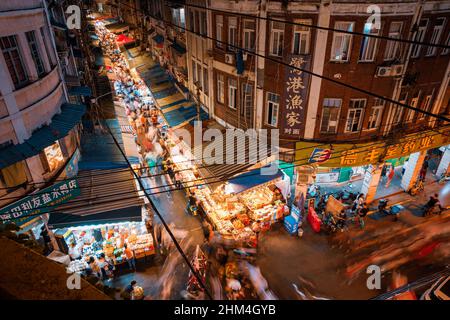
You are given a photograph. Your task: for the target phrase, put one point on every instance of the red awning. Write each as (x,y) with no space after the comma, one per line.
(123,39)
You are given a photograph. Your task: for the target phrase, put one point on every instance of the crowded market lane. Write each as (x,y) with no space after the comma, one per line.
(306,268)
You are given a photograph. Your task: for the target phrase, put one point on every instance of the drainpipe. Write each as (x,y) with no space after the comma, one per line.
(259,66)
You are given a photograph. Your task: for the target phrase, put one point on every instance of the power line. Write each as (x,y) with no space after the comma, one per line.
(314,26)
(219,179)
(438,116)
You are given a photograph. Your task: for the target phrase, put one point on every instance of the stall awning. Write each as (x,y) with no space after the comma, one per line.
(178,48)
(158,39)
(106,195)
(80,91)
(62,220)
(118,27)
(59,127)
(99,150)
(251,179)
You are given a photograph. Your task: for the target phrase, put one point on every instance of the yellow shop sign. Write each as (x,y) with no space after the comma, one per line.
(359,154)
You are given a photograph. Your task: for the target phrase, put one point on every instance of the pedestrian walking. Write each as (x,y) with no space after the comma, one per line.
(390,176)
(129,254)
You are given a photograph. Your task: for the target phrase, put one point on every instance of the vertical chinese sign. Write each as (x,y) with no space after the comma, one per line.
(295,96)
(41,202)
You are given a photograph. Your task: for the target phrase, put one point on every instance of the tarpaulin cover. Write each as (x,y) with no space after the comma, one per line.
(250,180)
(123,39)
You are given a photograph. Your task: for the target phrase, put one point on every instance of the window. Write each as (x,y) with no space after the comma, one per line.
(199,75)
(220,88)
(420,35)
(47,50)
(436,36)
(446,51)
(247,100)
(273,105)
(375,114)
(249,35)
(31,38)
(232,93)
(414,103)
(342,42)
(301,38)
(426,105)
(219,31)
(13,60)
(232,33)
(392,47)
(354,115)
(330,115)
(192,20)
(203,23)
(194,71)
(178,17)
(276,38)
(205,81)
(398,110)
(368,44)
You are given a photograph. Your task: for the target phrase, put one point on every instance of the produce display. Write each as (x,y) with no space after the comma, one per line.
(77,266)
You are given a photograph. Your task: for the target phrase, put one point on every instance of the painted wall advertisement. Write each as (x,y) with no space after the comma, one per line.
(296,83)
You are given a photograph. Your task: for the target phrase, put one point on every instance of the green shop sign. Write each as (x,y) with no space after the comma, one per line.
(41,202)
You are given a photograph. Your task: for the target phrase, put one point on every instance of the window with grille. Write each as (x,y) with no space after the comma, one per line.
(219,31)
(436,36)
(330,115)
(35,54)
(276,38)
(232,33)
(392,47)
(232,93)
(301,38)
(249,32)
(273,105)
(368,44)
(14,62)
(247,100)
(355,115)
(420,35)
(220,88)
(340,50)
(375,114)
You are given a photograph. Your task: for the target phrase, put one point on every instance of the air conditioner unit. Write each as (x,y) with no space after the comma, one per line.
(244,56)
(383,71)
(397,70)
(229,58)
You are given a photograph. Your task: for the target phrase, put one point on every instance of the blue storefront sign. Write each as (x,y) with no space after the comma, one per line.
(71,169)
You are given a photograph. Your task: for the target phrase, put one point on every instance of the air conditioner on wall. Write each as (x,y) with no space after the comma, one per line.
(244,56)
(229,58)
(383,71)
(396,70)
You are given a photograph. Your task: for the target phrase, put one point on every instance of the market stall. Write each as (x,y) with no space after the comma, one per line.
(109,239)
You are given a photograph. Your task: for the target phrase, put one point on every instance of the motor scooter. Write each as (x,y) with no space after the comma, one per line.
(393,210)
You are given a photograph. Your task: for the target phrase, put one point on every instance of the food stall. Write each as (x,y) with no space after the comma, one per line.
(110,238)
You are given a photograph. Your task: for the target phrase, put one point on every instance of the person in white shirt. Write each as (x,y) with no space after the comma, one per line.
(74,251)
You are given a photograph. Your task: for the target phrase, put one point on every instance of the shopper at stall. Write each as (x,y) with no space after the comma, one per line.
(138,292)
(93,265)
(129,255)
(74,251)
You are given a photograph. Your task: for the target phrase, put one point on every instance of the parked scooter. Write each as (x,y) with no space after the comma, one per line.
(393,210)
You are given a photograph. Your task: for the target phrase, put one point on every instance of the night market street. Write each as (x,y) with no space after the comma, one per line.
(250,151)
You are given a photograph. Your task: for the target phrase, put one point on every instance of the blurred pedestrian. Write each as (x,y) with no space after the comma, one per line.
(390,176)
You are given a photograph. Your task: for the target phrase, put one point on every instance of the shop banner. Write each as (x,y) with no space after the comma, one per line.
(353,155)
(43,201)
(334,206)
(296,84)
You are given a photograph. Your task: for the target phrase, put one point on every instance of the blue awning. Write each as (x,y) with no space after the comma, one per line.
(180,49)
(64,220)
(59,127)
(251,179)
(80,91)
(98,151)
(158,39)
